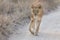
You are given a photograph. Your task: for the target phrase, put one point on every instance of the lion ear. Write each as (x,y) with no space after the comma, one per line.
(32,6)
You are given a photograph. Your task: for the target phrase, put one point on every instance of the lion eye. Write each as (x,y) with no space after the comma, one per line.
(32,7)
(39,7)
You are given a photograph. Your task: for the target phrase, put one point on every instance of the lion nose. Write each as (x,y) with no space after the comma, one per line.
(35,12)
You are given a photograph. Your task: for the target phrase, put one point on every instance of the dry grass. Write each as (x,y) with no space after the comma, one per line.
(13,10)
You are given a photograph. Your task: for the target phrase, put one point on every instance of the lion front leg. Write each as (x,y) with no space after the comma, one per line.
(37,27)
(32,25)
(37,23)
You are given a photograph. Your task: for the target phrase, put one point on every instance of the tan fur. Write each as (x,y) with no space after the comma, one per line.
(35,18)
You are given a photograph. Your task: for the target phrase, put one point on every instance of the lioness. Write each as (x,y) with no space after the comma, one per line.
(37,13)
